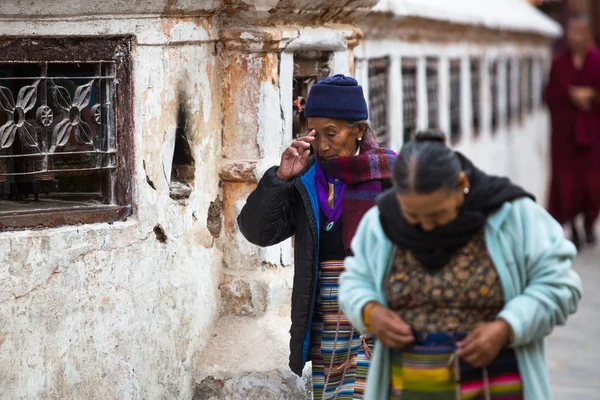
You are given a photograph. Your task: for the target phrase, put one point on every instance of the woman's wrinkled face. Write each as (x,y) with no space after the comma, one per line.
(433,210)
(334,138)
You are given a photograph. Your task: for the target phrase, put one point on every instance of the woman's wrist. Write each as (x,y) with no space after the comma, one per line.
(366,313)
(507,329)
(281,177)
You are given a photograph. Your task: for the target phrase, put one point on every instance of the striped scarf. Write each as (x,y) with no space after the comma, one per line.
(362,175)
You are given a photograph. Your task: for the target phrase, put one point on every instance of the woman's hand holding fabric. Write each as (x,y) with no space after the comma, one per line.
(294,159)
(389,328)
(484,343)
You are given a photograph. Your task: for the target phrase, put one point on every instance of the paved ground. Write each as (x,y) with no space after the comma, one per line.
(574,350)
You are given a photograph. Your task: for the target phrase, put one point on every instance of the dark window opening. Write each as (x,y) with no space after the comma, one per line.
(378,98)
(183,166)
(476,96)
(409,97)
(455,109)
(59,148)
(433,90)
(494,93)
(309,68)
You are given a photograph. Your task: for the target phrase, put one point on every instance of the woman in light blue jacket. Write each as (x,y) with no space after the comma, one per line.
(459,276)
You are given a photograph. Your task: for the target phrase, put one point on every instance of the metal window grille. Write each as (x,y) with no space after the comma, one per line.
(409,92)
(494,93)
(433,102)
(524,91)
(508,90)
(378,98)
(57,119)
(520,100)
(62,133)
(529,72)
(476,96)
(542,82)
(455,110)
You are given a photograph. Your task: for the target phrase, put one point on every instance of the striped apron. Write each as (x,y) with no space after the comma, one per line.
(339,354)
(429,370)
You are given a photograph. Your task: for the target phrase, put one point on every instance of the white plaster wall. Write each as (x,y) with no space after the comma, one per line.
(519,151)
(106,311)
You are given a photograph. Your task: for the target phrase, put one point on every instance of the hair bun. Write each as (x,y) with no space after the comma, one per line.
(430,136)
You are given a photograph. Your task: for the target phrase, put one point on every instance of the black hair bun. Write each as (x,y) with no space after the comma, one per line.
(430,136)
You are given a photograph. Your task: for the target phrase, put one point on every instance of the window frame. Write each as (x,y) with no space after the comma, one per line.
(432,78)
(456,130)
(409,125)
(73,49)
(378,102)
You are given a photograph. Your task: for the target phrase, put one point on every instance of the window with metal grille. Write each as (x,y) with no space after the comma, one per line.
(508,90)
(524,89)
(65,131)
(378,98)
(529,95)
(543,81)
(433,102)
(476,96)
(455,87)
(309,68)
(409,97)
(494,93)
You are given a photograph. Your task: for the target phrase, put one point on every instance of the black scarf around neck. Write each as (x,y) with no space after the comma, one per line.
(434,249)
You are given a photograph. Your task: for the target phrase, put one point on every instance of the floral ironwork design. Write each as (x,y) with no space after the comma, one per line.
(72,123)
(16,111)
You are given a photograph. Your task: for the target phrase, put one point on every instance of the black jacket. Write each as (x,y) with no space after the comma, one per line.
(274,212)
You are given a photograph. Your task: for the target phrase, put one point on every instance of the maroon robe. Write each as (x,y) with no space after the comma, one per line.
(575,186)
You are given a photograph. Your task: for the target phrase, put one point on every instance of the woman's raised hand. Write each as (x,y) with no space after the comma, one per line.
(295,158)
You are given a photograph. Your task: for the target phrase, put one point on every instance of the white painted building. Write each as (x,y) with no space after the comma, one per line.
(474,69)
(142,126)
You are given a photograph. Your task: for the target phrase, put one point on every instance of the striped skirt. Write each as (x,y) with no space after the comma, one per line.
(428,370)
(340,357)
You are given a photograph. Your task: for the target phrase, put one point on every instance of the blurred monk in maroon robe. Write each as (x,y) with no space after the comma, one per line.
(573,96)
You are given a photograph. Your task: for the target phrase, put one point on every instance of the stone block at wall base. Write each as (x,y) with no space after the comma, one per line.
(270,385)
(247,358)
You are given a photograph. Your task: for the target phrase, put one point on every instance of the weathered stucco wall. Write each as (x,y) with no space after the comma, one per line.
(120,311)
(174,303)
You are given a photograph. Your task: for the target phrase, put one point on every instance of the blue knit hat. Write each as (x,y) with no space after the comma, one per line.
(339,97)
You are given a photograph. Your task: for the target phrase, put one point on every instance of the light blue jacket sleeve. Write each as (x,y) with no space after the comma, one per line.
(359,283)
(550,288)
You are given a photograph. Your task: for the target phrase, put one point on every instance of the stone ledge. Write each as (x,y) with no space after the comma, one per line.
(63,8)
(271,385)
(239,171)
(241,346)
(295,11)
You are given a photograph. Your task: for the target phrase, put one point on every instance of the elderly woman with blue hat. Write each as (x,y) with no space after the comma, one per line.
(320,199)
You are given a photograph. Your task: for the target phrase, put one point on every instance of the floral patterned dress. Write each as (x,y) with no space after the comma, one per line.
(442,307)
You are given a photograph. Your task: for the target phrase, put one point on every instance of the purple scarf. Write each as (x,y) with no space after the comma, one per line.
(361,176)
